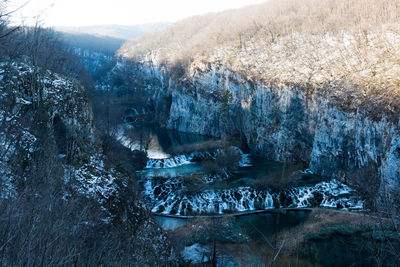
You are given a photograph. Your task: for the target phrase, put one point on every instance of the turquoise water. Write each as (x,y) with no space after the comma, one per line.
(243,240)
(256,226)
(166,143)
(260,226)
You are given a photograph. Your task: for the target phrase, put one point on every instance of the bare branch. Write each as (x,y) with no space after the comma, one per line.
(15,10)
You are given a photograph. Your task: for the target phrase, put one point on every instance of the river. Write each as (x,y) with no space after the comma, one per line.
(213,197)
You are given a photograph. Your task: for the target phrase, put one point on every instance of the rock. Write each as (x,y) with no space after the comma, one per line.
(279,122)
(316,200)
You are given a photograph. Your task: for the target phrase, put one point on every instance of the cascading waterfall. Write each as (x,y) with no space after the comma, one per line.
(172,162)
(245,158)
(178,194)
(184,159)
(246,161)
(169,197)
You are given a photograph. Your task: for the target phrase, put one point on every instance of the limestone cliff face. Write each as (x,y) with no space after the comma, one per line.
(38,101)
(280,122)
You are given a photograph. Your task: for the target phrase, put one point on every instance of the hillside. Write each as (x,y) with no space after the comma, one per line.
(103,44)
(260,136)
(64,197)
(350,47)
(95,51)
(53,162)
(116,31)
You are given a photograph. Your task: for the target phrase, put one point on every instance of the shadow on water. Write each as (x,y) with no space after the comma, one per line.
(165,138)
(260,226)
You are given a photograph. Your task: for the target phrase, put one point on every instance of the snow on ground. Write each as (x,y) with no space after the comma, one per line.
(7,189)
(92,179)
(62,96)
(196,253)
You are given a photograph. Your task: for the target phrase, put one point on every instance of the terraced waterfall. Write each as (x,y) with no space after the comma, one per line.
(182,184)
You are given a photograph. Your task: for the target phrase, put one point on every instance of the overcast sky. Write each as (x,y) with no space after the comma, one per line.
(124,12)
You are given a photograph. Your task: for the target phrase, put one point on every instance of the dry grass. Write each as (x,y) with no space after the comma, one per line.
(353,69)
(270,20)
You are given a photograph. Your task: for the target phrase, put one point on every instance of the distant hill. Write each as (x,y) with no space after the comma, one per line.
(117,31)
(102,44)
(95,51)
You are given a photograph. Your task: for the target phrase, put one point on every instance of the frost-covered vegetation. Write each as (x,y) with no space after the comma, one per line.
(65,198)
(62,199)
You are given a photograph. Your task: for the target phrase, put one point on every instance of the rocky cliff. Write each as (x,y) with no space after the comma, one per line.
(51,155)
(304,86)
(283,122)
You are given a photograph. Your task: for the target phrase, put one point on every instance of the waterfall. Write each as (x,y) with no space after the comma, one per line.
(184,159)
(169,162)
(171,197)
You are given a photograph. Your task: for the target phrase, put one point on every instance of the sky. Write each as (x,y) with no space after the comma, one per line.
(121,12)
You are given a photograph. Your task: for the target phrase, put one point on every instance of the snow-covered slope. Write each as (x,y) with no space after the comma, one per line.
(47,130)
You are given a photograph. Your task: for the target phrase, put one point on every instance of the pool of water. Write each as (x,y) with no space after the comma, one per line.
(253,240)
(188,174)
(161,144)
(261,226)
(177,181)
(256,226)
(240,240)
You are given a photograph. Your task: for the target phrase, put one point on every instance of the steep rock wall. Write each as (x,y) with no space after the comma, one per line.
(281,122)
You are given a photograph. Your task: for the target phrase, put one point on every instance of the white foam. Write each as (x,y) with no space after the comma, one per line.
(169,197)
(169,162)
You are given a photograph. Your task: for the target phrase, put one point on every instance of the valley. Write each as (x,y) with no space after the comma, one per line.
(262,136)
